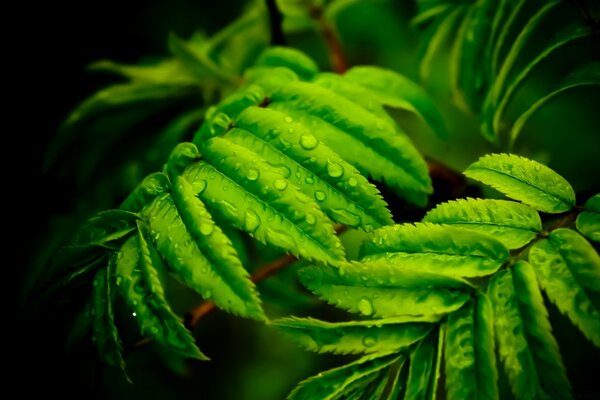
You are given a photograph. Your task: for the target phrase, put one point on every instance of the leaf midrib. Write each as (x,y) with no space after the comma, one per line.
(268,205)
(562,200)
(268,143)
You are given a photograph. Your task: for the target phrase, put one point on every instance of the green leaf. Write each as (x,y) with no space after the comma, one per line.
(372,336)
(466,74)
(290,58)
(526,345)
(510,79)
(568,269)
(197,60)
(340,190)
(106,335)
(169,71)
(143,292)
(470,359)
(421,383)
(213,244)
(425,15)
(384,290)
(512,224)
(586,75)
(434,248)
(250,194)
(439,35)
(395,90)
(152,186)
(368,142)
(330,385)
(124,95)
(588,222)
(182,247)
(357,93)
(524,180)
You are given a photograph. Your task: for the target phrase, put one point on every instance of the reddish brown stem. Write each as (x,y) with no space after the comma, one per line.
(336,54)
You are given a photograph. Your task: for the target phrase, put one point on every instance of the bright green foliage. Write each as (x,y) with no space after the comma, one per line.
(588,222)
(363,139)
(105,330)
(568,269)
(525,180)
(384,290)
(338,383)
(371,336)
(437,249)
(526,345)
(347,199)
(246,191)
(470,361)
(395,90)
(287,152)
(424,366)
(293,59)
(511,223)
(136,273)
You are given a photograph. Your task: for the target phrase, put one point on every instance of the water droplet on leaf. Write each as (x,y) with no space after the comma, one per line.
(365,306)
(308,141)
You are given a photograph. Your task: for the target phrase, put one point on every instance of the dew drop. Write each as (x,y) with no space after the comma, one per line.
(206,229)
(308,141)
(369,341)
(537,167)
(365,306)
(310,219)
(334,169)
(280,184)
(253,174)
(288,120)
(320,196)
(352,181)
(251,221)
(134,314)
(309,179)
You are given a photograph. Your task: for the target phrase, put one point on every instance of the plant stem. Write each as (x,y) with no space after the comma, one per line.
(336,54)
(275,24)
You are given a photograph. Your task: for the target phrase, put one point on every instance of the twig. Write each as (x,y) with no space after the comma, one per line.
(275,24)
(336,53)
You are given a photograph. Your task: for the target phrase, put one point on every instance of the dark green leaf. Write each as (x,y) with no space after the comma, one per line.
(588,222)
(568,269)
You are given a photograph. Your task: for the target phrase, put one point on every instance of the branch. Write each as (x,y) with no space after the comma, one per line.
(336,53)
(275,24)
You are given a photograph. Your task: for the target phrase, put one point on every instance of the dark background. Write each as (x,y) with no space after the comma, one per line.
(48,46)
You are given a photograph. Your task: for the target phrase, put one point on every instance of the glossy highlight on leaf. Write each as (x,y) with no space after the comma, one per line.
(370,336)
(512,224)
(383,290)
(524,180)
(438,249)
